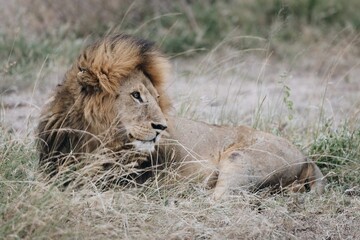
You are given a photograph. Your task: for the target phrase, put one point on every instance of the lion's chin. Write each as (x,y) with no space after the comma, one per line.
(144,146)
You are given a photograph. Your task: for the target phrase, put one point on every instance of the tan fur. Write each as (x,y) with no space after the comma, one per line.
(97,107)
(89,111)
(235,158)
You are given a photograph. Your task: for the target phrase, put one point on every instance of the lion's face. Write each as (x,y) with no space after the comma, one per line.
(112,96)
(138,112)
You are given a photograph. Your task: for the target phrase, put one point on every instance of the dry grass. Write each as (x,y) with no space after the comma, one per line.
(161,210)
(311,97)
(168,209)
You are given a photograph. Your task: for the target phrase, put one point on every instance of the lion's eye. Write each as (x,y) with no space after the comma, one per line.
(137,96)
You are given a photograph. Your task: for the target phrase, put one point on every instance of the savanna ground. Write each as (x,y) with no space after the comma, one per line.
(290,68)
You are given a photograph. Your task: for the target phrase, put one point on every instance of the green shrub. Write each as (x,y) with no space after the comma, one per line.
(338,154)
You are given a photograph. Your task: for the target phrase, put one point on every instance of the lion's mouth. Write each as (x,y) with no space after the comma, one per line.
(153,140)
(144,145)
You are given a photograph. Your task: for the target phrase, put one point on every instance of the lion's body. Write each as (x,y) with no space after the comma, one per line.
(230,158)
(113,98)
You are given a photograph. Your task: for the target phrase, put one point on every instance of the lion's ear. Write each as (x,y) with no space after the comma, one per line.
(89,83)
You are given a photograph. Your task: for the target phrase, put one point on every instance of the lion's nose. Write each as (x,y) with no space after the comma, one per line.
(158,126)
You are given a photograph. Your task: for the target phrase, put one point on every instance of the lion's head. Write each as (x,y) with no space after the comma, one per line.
(111,97)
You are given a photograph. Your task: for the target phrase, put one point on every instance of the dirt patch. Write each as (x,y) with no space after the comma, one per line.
(236,91)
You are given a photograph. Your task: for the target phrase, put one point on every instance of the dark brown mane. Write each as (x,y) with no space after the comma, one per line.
(79,110)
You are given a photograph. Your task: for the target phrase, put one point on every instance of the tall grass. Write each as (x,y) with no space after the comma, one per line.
(29,208)
(166,208)
(337,151)
(38,37)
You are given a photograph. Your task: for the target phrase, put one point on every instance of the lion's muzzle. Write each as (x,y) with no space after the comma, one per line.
(144,138)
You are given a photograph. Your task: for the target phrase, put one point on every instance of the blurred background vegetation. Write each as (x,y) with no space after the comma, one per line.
(35,30)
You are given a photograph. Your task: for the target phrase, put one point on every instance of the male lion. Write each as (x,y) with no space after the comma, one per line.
(113,97)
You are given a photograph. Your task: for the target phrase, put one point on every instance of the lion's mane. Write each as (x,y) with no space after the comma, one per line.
(73,119)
